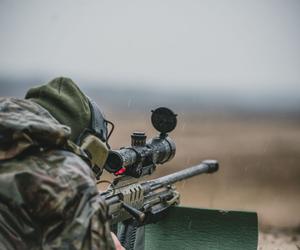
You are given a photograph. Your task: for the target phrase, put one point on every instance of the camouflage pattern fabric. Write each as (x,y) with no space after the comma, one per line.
(24,124)
(48,196)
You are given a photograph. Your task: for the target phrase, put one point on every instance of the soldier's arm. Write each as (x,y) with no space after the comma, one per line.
(60,194)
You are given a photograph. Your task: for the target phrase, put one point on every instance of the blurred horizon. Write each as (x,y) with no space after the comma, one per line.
(116,97)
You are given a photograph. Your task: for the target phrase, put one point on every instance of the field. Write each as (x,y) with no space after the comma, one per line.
(259,167)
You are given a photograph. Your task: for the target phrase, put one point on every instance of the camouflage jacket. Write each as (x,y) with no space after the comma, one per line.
(48,195)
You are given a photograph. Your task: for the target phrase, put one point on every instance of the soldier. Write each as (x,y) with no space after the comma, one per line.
(52,146)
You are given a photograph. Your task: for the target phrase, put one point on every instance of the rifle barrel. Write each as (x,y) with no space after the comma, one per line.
(208,166)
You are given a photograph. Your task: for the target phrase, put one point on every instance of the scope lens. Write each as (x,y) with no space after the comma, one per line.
(114,162)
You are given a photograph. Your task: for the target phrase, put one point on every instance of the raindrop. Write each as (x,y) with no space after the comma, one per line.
(183,127)
(188,160)
(129,103)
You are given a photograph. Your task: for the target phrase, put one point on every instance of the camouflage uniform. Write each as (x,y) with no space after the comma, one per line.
(48,196)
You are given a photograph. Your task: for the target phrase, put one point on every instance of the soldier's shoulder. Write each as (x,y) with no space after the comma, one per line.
(60,167)
(24,123)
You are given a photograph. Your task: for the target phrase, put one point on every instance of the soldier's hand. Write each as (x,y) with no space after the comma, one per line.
(117,242)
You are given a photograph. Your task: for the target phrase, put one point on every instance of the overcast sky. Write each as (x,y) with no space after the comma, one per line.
(250,46)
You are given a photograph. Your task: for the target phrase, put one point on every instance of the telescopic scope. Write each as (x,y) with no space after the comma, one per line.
(142,156)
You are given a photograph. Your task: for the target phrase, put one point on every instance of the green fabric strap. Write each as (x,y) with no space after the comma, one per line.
(203,229)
